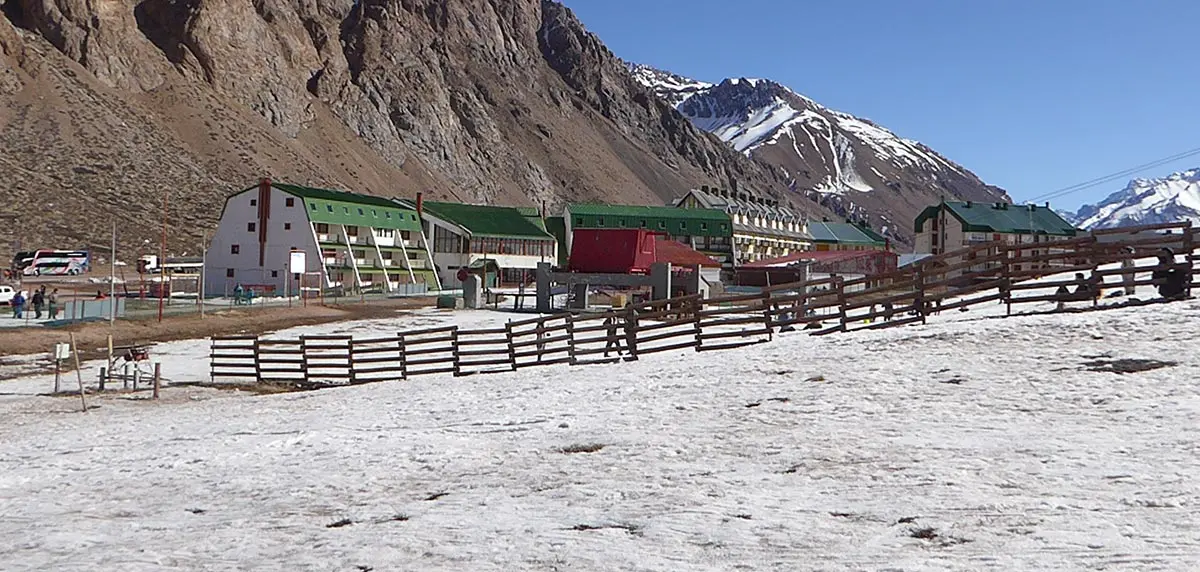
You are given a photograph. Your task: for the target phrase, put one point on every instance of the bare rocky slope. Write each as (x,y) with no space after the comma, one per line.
(851,165)
(107,106)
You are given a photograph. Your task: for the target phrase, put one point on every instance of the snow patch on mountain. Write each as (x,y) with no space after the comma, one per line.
(1146,201)
(752,113)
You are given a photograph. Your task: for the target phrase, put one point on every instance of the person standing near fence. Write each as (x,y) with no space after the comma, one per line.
(1128,275)
(39,302)
(52,304)
(1170,278)
(18,305)
(611,342)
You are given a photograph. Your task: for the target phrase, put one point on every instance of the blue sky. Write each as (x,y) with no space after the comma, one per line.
(1031,95)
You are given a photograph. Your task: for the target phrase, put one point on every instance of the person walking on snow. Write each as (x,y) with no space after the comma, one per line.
(18,305)
(39,302)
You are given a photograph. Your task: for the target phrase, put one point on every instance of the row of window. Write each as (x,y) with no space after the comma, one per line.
(660,225)
(513,246)
(290,201)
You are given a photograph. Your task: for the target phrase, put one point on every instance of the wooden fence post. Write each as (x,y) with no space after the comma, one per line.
(767,311)
(1188,245)
(258,378)
(157,378)
(919,299)
(454,347)
(571,339)
(841,297)
(697,306)
(512,350)
(403,356)
(78,372)
(350,361)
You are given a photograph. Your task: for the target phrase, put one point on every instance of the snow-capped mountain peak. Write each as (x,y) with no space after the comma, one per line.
(1175,197)
(846,163)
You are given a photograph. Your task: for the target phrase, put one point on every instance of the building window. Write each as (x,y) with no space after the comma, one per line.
(387,214)
(703,226)
(287,226)
(374,213)
(387,255)
(724,226)
(683,225)
(360,212)
(274,274)
(600,221)
(352,230)
(322,228)
(578,221)
(345,210)
(312,206)
(289,202)
(250,227)
(235,249)
(253,202)
(643,225)
(229,273)
(662,225)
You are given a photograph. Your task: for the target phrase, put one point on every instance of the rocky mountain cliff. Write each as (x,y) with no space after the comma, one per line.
(1146,201)
(110,107)
(851,165)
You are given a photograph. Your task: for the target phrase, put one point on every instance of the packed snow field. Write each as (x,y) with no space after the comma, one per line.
(971,443)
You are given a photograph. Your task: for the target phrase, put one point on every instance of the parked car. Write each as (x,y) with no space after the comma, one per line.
(7,293)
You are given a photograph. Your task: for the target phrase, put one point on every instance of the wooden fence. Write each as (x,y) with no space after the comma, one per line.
(993,272)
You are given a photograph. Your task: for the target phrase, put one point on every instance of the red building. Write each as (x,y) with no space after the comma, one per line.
(630,251)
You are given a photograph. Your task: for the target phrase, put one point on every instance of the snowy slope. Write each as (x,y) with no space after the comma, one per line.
(992,445)
(1146,201)
(845,162)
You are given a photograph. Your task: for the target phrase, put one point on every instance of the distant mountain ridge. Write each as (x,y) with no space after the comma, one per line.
(1173,198)
(852,165)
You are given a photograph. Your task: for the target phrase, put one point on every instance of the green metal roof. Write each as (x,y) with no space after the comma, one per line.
(1001,217)
(340,207)
(671,220)
(632,211)
(484,220)
(843,233)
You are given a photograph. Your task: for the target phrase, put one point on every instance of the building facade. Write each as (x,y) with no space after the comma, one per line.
(951,226)
(502,244)
(358,242)
(762,229)
(709,231)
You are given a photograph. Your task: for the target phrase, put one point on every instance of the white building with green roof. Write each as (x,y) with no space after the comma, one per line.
(501,244)
(358,242)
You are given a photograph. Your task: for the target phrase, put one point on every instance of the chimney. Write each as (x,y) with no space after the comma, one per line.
(1047,204)
(420,204)
(968,205)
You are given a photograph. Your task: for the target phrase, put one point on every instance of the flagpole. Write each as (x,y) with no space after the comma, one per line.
(112,279)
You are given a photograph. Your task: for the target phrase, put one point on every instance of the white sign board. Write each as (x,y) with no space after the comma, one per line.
(62,351)
(297,263)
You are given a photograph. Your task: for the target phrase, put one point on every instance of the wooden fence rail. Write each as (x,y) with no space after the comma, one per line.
(986,273)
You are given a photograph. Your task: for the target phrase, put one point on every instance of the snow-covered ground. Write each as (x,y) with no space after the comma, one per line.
(967,444)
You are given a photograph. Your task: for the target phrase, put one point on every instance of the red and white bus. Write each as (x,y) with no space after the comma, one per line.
(57,262)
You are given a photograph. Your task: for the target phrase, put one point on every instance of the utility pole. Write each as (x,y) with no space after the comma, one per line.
(162,259)
(203,270)
(112,279)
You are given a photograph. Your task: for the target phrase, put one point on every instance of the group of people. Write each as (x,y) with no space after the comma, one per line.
(40,301)
(1171,279)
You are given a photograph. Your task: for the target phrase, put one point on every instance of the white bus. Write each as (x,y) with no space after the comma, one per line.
(57,262)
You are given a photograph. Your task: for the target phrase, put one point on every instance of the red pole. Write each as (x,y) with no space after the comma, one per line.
(162,258)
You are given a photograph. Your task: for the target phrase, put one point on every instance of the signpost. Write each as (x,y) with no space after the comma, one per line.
(297,264)
(61,352)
